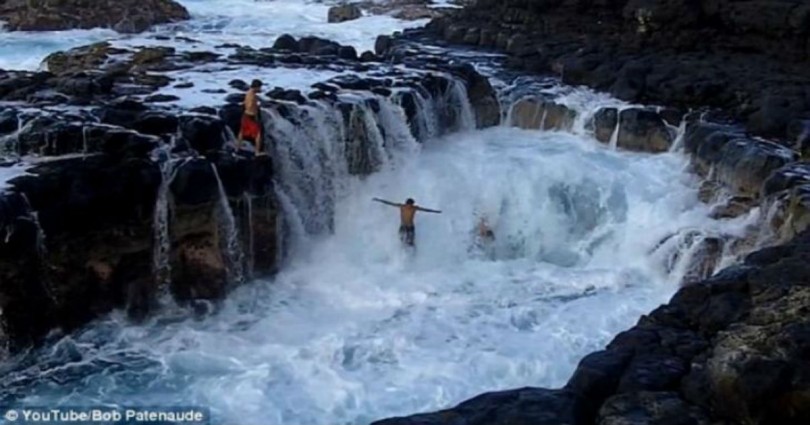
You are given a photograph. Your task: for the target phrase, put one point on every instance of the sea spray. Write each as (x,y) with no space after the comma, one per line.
(350,330)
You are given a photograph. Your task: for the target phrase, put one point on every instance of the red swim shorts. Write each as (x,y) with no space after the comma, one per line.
(250,127)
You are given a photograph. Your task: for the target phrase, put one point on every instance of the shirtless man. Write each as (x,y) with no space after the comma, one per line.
(407,211)
(251,127)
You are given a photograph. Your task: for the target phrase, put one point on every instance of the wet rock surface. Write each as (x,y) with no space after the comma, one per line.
(747,57)
(725,348)
(177,208)
(106,203)
(126,16)
(343,13)
(699,359)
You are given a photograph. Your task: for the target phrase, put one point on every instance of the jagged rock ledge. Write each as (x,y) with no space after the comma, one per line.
(730,347)
(729,350)
(749,58)
(131,201)
(121,133)
(734,162)
(126,16)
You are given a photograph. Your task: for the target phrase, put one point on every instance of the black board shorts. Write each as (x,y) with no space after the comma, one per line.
(407,233)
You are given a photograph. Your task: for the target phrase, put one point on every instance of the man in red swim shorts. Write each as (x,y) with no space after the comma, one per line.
(251,127)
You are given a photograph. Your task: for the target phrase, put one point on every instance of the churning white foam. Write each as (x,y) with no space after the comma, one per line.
(10,172)
(208,85)
(214,22)
(358,329)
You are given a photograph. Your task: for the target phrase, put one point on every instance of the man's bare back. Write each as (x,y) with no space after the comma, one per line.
(250,126)
(251,103)
(407,214)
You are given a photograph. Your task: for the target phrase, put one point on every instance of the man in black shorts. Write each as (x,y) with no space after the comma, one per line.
(407,212)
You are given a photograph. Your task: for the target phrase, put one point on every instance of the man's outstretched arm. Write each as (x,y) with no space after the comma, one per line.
(428,210)
(383,201)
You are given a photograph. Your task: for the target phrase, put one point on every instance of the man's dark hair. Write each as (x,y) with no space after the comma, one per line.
(409,201)
(256,84)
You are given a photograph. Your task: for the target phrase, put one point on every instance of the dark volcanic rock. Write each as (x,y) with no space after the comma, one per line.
(156,123)
(286,42)
(347,52)
(80,59)
(635,129)
(78,203)
(536,113)
(9,120)
(128,143)
(342,13)
(105,204)
(705,141)
(747,57)
(123,112)
(482,96)
(53,136)
(643,130)
(382,44)
(368,56)
(159,98)
(523,406)
(650,408)
(790,176)
(745,164)
(730,349)
(121,15)
(202,133)
(19,86)
(604,124)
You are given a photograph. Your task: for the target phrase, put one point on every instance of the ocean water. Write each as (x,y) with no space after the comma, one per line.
(214,22)
(9,172)
(356,328)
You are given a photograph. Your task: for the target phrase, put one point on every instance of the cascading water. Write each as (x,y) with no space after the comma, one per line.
(247,201)
(614,136)
(354,328)
(455,99)
(427,117)
(318,147)
(229,235)
(304,172)
(10,143)
(162,241)
(398,135)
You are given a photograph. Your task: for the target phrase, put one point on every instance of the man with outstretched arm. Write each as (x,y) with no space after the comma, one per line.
(407,211)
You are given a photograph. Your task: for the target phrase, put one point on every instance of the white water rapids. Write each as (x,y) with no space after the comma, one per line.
(354,328)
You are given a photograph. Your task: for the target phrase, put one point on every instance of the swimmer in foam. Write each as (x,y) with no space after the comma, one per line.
(407,212)
(485,232)
(483,238)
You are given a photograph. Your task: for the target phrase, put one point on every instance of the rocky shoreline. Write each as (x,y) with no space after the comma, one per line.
(124,16)
(133,198)
(727,349)
(157,195)
(746,59)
